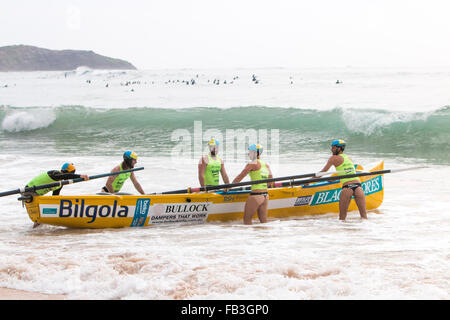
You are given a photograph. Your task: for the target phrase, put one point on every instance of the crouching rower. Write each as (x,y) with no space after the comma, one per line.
(258,200)
(115,182)
(67,172)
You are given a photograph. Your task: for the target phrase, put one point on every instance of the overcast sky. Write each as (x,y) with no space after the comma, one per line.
(237,33)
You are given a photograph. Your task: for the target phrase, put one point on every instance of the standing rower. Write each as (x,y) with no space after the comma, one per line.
(258,200)
(211,165)
(351,187)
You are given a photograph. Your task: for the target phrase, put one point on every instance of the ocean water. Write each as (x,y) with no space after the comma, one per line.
(90,117)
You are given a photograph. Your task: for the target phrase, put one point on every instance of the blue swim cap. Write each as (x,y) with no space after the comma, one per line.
(128,155)
(256,147)
(338,143)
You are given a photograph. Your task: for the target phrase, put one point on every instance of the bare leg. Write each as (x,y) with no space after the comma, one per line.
(262,209)
(344,202)
(250,207)
(360,200)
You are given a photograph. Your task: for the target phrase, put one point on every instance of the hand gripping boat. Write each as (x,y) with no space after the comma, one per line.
(123,210)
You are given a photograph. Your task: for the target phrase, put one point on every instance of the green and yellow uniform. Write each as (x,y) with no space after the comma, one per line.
(120,180)
(43,178)
(212,171)
(346,165)
(51,176)
(261,174)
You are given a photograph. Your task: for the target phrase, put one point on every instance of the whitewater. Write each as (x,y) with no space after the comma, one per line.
(90,117)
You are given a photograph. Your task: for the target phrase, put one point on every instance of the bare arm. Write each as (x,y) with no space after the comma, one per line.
(270,174)
(249,167)
(137,185)
(224,174)
(333,161)
(201,171)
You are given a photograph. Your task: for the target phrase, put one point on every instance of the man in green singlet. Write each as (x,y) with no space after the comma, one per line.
(211,165)
(67,172)
(351,187)
(115,183)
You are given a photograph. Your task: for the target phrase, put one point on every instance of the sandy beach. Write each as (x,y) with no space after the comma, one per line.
(13,294)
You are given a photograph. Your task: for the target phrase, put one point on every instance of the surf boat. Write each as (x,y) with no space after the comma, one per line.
(127,210)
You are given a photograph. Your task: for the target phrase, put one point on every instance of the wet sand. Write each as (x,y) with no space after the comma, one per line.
(13,294)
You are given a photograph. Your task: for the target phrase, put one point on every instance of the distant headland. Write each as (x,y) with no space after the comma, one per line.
(29,58)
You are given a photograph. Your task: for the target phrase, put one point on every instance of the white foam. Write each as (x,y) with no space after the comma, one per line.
(371,122)
(17,121)
(83,71)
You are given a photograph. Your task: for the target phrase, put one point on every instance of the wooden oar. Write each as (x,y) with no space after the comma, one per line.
(232,185)
(63,182)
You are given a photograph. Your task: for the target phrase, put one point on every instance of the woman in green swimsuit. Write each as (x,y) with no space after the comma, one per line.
(258,200)
(351,187)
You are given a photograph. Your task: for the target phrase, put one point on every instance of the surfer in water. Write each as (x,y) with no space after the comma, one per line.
(351,187)
(258,200)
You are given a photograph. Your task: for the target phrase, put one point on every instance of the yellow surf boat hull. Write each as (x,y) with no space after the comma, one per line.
(116,211)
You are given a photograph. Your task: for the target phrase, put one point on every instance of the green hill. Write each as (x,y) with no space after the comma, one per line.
(29,58)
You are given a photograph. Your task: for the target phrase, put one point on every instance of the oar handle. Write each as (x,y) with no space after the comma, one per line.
(64,182)
(113,173)
(356,175)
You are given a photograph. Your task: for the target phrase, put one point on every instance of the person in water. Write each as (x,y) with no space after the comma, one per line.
(258,199)
(67,172)
(211,165)
(351,187)
(115,183)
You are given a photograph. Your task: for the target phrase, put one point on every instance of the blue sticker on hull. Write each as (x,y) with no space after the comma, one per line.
(141,212)
(330,196)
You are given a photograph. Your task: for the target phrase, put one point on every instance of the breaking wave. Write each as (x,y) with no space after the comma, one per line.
(419,134)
